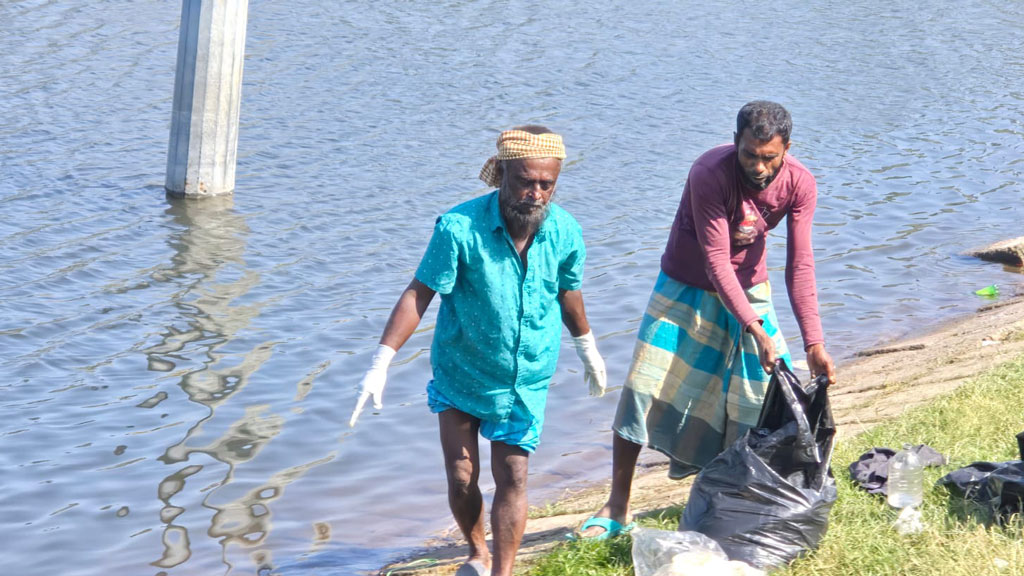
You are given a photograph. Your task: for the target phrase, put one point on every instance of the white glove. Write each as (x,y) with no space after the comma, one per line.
(593,364)
(373,381)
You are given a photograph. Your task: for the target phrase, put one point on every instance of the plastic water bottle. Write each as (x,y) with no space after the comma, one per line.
(906,479)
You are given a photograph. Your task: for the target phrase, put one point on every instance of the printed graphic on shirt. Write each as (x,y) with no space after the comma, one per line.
(746,231)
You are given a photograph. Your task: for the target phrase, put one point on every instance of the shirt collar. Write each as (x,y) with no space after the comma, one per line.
(494,219)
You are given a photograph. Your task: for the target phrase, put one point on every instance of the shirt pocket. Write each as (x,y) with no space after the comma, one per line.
(549,287)
(547,297)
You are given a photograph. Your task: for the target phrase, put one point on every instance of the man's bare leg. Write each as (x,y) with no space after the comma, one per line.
(509,465)
(460,445)
(624,456)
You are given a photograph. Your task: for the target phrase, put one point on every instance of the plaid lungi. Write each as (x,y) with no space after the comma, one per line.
(696,383)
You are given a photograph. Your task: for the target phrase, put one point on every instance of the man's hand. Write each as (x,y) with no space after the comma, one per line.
(819,361)
(593,364)
(373,381)
(765,346)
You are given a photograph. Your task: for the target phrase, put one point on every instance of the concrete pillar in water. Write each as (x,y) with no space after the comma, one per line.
(203,145)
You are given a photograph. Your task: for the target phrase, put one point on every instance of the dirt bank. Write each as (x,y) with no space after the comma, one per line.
(876,385)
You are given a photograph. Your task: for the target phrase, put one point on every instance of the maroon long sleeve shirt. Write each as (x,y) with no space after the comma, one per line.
(701,251)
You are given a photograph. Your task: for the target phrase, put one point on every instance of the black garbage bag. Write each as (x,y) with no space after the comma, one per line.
(766,499)
(997,487)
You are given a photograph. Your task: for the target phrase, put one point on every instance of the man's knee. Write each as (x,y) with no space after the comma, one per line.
(462,476)
(511,470)
(513,482)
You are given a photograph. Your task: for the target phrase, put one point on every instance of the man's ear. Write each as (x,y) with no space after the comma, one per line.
(499,170)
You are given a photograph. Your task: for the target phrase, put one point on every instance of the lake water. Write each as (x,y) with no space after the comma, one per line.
(175,377)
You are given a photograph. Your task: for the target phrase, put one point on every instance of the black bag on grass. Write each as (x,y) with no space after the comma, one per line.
(997,487)
(766,499)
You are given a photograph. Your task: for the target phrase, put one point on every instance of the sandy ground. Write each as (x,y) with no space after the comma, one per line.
(876,385)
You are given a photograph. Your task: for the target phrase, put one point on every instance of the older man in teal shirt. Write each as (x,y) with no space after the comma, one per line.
(508,266)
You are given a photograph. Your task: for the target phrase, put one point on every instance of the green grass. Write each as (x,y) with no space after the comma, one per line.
(605,558)
(551,509)
(976,422)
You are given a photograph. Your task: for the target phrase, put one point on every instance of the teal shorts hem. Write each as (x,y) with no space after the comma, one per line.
(520,429)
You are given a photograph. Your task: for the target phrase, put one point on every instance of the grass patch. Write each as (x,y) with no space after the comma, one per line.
(606,557)
(571,502)
(977,422)
(550,509)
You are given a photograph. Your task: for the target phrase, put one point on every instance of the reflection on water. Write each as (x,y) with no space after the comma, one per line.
(212,235)
(213,239)
(176,377)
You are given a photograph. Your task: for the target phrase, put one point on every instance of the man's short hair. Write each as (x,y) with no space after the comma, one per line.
(533,129)
(765,119)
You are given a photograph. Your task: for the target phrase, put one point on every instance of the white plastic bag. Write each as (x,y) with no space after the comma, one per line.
(671,553)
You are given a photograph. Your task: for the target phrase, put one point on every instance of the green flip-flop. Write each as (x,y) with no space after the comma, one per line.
(611,529)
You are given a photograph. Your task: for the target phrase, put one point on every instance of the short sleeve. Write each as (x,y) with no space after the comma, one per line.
(570,270)
(440,263)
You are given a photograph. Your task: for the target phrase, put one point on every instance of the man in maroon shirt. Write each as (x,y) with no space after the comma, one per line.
(709,338)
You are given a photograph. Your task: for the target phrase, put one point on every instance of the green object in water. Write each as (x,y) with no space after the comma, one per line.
(991,290)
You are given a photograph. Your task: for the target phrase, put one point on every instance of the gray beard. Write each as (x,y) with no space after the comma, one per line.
(522,224)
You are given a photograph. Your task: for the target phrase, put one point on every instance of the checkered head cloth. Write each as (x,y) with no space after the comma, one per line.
(516,144)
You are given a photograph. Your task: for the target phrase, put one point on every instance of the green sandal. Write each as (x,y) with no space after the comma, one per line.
(611,529)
